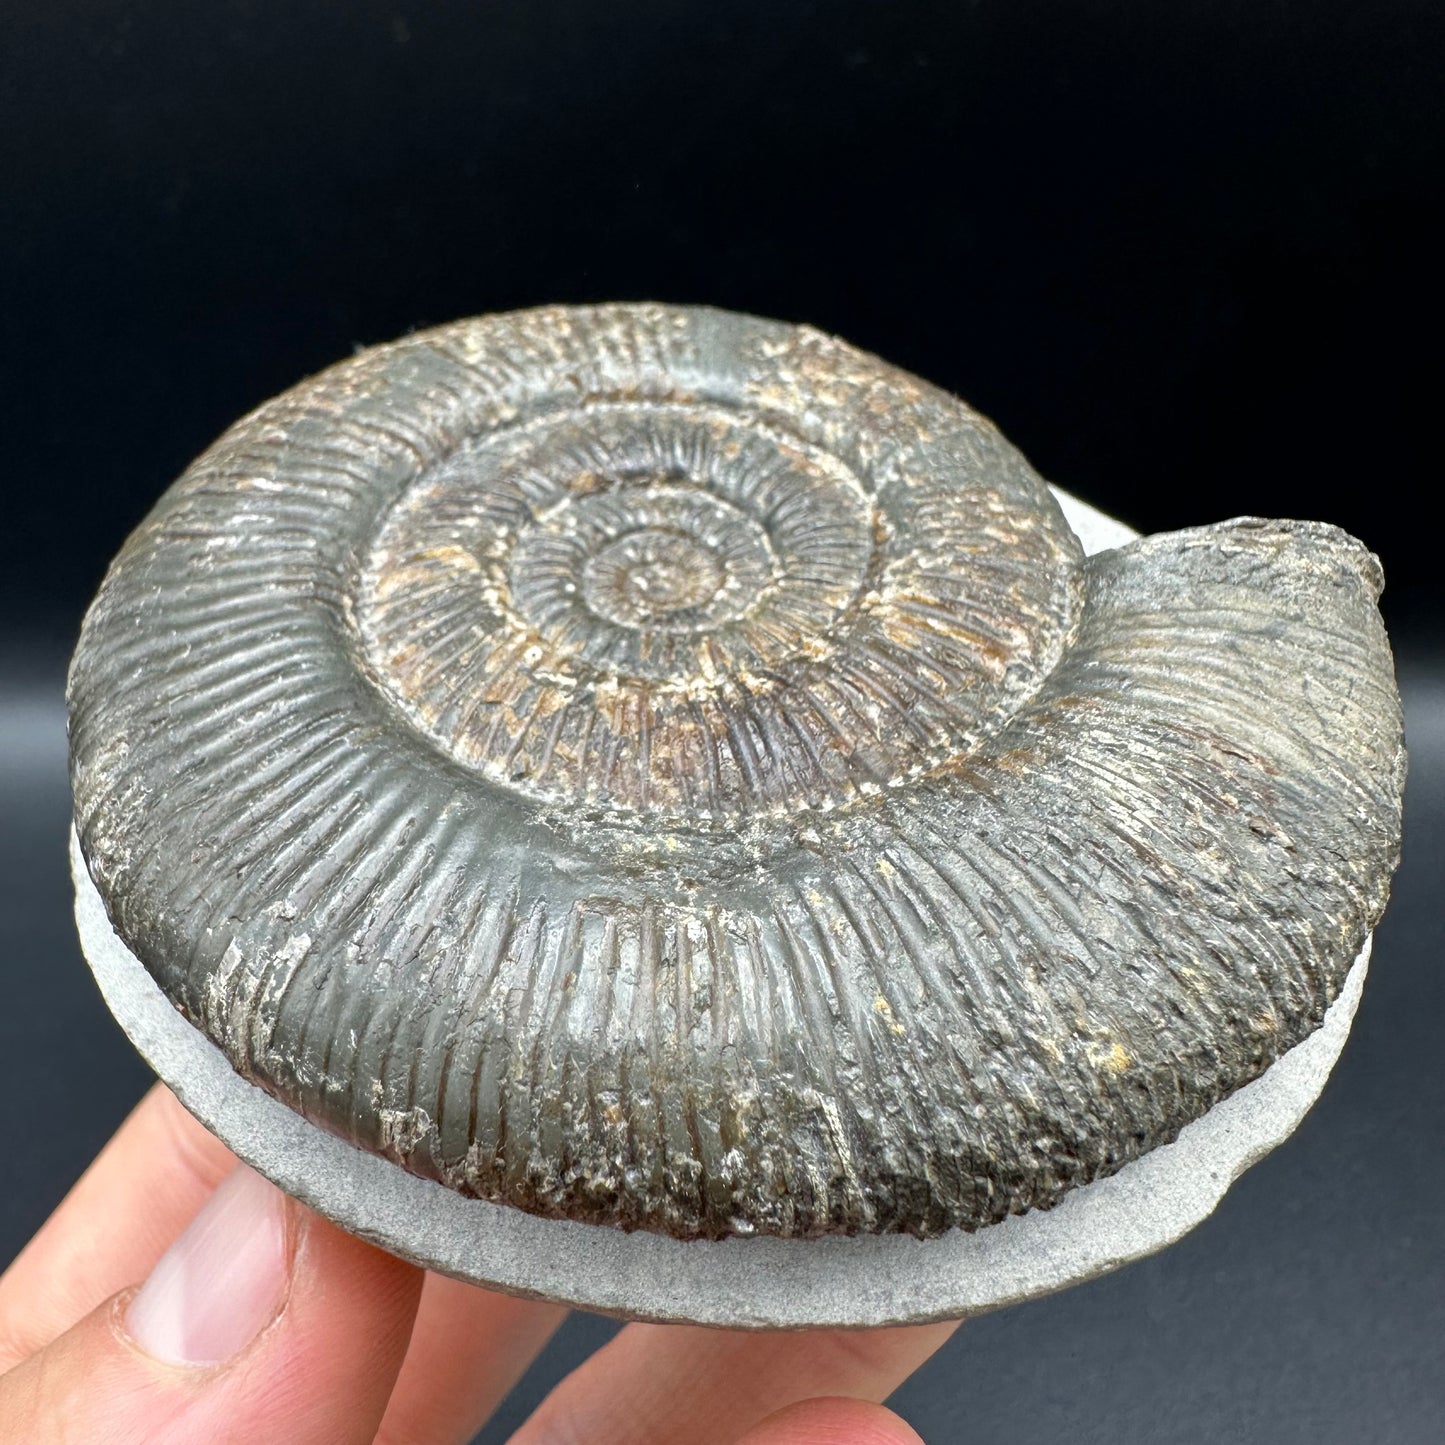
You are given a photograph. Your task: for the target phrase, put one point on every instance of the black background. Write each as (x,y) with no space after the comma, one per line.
(1184,254)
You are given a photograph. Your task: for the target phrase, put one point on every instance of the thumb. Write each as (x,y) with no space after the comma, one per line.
(261,1322)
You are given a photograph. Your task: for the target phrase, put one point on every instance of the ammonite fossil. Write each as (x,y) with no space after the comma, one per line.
(662,769)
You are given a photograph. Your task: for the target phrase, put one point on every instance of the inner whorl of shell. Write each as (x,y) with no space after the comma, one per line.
(692,611)
(672,770)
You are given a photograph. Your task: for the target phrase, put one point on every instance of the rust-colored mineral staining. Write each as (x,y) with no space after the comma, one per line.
(672,770)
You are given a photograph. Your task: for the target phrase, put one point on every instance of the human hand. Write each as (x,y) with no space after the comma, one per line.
(259,1321)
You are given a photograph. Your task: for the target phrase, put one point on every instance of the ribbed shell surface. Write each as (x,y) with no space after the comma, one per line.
(672,770)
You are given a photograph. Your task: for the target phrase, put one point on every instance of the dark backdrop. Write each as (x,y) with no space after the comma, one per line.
(1183,253)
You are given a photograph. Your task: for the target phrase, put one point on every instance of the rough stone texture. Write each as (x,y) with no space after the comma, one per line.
(671,770)
(860,1281)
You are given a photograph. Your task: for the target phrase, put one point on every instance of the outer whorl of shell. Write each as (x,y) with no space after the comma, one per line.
(669,769)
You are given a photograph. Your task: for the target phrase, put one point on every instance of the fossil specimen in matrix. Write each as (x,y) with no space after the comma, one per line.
(665,769)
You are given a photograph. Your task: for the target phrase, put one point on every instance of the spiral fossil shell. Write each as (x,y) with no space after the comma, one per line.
(672,770)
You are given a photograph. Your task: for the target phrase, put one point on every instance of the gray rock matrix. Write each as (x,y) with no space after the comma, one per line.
(662,768)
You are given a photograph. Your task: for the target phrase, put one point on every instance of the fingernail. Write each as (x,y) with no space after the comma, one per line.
(222,1282)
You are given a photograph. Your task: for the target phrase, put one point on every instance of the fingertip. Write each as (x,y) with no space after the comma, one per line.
(832,1421)
(262,1322)
(222,1281)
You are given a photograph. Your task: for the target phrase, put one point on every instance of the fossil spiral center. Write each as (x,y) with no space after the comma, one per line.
(652,575)
(664,556)
(693,611)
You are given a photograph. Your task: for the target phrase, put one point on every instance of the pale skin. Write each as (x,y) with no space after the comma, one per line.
(264,1322)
